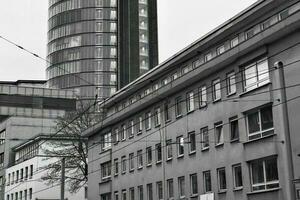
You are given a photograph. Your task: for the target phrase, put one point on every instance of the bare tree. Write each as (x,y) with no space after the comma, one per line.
(72,146)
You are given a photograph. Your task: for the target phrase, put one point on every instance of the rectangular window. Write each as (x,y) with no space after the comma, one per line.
(17,176)
(192,142)
(116,135)
(260,123)
(264,174)
(194,184)
(208,57)
(237,176)
(149,191)
(256,75)
(234,128)
(99,27)
(131,162)
(26,173)
(22,174)
(157,117)
(131,129)
(148,121)
(181,187)
(116,164)
(99,14)
(175,76)
(158,153)
(230,81)
(219,135)
(31,172)
(202,97)
(140,159)
(124,195)
(149,155)
(105,170)
(221,179)
(116,194)
(207,181)
(234,42)
(140,192)
(159,190)
(216,87)
(131,193)
(2,137)
(106,138)
(123,132)
(169,149)
(220,50)
(178,107)
(113,27)
(30,193)
(113,14)
(140,124)
(204,138)
(170,188)
(180,146)
(167,110)
(190,104)
(1,160)
(123,164)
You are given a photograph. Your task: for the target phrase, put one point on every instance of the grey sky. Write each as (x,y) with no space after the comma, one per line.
(180,23)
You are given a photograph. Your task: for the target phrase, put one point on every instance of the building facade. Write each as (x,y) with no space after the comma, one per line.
(98,46)
(218,121)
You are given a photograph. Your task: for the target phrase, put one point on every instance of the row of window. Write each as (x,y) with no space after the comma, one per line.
(263,176)
(2,136)
(254,74)
(27,153)
(20,175)
(19,195)
(64,6)
(69,42)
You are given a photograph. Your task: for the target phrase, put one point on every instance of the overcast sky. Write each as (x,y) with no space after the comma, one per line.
(180,23)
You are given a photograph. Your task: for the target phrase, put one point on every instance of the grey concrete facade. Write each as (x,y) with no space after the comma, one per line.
(92,47)
(249,69)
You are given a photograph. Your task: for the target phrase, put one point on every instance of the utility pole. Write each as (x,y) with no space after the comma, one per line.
(62,184)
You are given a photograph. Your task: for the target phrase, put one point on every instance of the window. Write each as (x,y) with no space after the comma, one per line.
(180,146)
(220,49)
(2,137)
(105,170)
(169,149)
(167,111)
(99,14)
(123,132)
(99,2)
(26,173)
(113,26)
(158,153)
(17,176)
(170,188)
(202,97)
(21,174)
(264,174)
(30,193)
(207,181)
(131,162)
(116,135)
(25,194)
(123,164)
(116,164)
(234,42)
(178,107)
(237,176)
(148,121)
(219,135)
(208,57)
(113,14)
(140,192)
(256,75)
(159,190)
(113,3)
(106,141)
(131,193)
(99,26)
(116,194)
(221,179)
(194,184)
(13,178)
(124,195)
(190,101)
(140,158)
(1,159)
(175,76)
(157,117)
(131,129)
(260,123)
(8,179)
(204,138)
(216,86)
(234,128)
(149,155)
(231,86)
(181,186)
(192,142)
(149,191)
(140,124)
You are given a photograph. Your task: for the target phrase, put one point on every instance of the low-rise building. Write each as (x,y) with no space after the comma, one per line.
(218,120)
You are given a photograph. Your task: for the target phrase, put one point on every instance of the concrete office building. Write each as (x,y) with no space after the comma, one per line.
(217,121)
(27,110)
(98,46)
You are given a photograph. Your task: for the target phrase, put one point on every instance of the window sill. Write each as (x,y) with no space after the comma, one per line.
(158,162)
(190,111)
(148,129)
(202,106)
(131,170)
(168,121)
(131,136)
(254,140)
(123,140)
(123,173)
(169,159)
(246,92)
(178,116)
(192,153)
(216,100)
(193,195)
(238,189)
(222,191)
(139,133)
(115,175)
(231,94)
(139,168)
(180,156)
(235,140)
(157,125)
(149,165)
(219,145)
(205,149)
(104,151)
(263,191)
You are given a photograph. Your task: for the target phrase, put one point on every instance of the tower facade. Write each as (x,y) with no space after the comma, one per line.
(98,46)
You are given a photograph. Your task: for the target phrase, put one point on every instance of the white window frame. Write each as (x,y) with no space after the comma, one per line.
(206,173)
(157,117)
(131,162)
(191,184)
(219,140)
(231,83)
(234,167)
(139,159)
(148,116)
(123,132)
(140,124)
(203,131)
(190,143)
(219,182)
(208,56)
(202,97)
(180,142)
(190,101)
(234,42)
(221,49)
(181,185)
(149,152)
(169,149)
(217,91)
